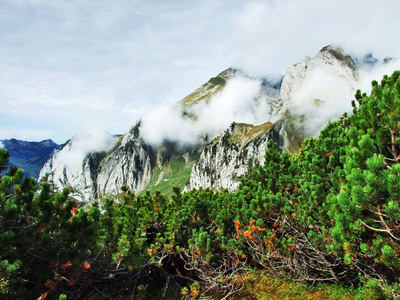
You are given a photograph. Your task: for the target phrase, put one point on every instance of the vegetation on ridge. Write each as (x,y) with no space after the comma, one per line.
(329,213)
(204,93)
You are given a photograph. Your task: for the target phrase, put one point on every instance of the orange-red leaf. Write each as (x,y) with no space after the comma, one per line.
(86,265)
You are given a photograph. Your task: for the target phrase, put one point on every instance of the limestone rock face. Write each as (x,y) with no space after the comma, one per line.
(130,164)
(92,175)
(64,171)
(329,63)
(229,156)
(319,89)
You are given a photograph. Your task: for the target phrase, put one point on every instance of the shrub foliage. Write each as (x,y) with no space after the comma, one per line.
(328,213)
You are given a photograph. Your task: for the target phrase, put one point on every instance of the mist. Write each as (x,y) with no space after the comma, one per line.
(323,96)
(82,144)
(376,72)
(237,102)
(1,145)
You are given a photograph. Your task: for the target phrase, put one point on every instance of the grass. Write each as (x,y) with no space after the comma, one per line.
(174,173)
(244,133)
(294,136)
(204,93)
(259,285)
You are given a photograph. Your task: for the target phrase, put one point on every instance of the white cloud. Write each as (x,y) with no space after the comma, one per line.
(324,96)
(368,74)
(1,145)
(81,145)
(325,92)
(62,62)
(71,59)
(235,103)
(267,36)
(166,123)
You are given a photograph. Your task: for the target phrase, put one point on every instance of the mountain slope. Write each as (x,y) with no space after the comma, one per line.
(30,156)
(213,86)
(290,110)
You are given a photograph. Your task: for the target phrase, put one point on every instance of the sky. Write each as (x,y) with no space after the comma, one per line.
(70,66)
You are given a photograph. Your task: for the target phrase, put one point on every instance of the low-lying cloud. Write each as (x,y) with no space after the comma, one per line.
(326,95)
(1,145)
(109,60)
(367,73)
(237,102)
(82,144)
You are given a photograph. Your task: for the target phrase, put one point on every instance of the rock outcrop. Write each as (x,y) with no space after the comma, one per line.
(79,175)
(130,164)
(318,89)
(229,156)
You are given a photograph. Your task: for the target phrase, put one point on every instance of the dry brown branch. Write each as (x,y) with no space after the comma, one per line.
(222,276)
(306,262)
(382,221)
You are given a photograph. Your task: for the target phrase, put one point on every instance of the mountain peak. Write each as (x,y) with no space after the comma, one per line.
(340,55)
(211,87)
(29,156)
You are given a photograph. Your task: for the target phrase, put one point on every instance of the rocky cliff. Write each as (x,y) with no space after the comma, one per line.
(130,164)
(319,89)
(311,93)
(78,174)
(229,156)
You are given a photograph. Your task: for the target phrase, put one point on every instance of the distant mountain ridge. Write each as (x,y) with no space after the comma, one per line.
(30,156)
(312,92)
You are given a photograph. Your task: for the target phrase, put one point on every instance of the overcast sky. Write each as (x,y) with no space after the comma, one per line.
(72,65)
